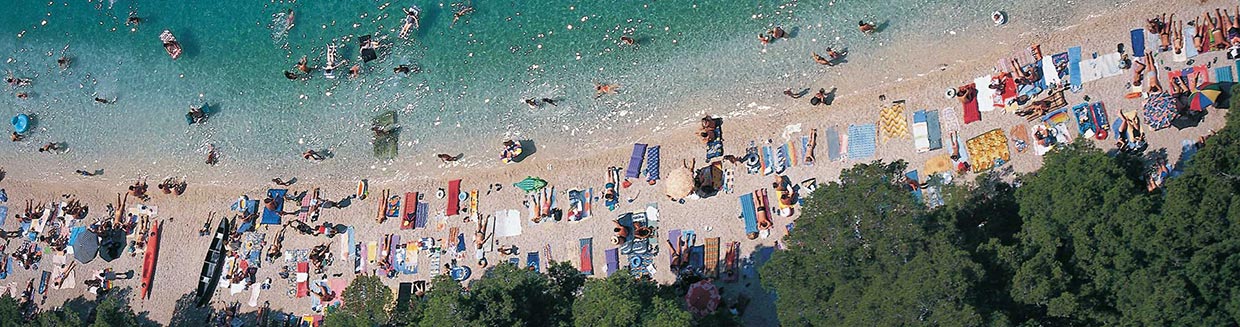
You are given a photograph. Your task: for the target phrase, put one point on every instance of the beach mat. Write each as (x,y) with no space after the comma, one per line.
(1074,66)
(970,109)
(409,216)
(1049,74)
(1224,74)
(697,257)
(1137,38)
(673,237)
(4,213)
(861,143)
(921,133)
(508,223)
(454,197)
(712,258)
(833,144)
(612,256)
(1190,50)
(587,256)
(988,150)
(634,169)
(422,216)
(272,217)
(893,123)
(532,261)
(934,132)
(652,164)
(985,100)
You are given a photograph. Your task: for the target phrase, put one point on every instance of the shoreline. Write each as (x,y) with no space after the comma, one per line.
(743,122)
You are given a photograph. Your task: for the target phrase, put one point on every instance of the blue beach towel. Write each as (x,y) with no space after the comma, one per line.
(272,217)
(4,213)
(419,218)
(714,148)
(514,261)
(749,213)
(1074,66)
(1138,42)
(912,175)
(768,159)
(1083,123)
(635,161)
(1224,74)
(805,152)
(531,260)
(652,163)
(933,130)
(861,141)
(964,152)
(833,145)
(1190,50)
(612,256)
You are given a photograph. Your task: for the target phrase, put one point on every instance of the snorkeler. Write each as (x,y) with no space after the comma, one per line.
(403,69)
(532,103)
(465,10)
(549,101)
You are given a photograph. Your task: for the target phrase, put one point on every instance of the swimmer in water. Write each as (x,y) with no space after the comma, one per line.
(867,28)
(355,71)
(404,69)
(104,101)
(628,40)
(63,62)
(465,10)
(14,81)
(532,103)
(290,75)
(16,137)
(213,156)
(777,33)
(549,101)
(820,60)
(600,89)
(301,65)
(133,19)
(50,147)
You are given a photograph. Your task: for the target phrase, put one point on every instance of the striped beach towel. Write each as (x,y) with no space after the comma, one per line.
(652,163)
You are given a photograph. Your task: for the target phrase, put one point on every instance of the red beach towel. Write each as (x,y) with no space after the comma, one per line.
(454,197)
(971,114)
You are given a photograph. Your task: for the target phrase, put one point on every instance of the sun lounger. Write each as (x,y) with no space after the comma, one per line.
(1224,74)
(612,256)
(454,197)
(712,258)
(634,169)
(652,164)
(921,138)
(587,256)
(532,261)
(272,217)
(749,213)
(861,143)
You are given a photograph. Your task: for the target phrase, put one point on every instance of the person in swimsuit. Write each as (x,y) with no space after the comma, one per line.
(600,89)
(446,158)
(1164,37)
(1156,25)
(549,101)
(312,155)
(820,60)
(966,94)
(51,147)
(133,19)
(1154,86)
(301,65)
(1233,32)
(777,33)
(628,40)
(465,10)
(63,62)
(764,38)
(867,28)
(1219,24)
(1138,74)
(16,137)
(1199,36)
(1177,36)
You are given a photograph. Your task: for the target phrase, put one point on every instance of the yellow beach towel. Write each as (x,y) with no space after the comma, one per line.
(986,148)
(893,123)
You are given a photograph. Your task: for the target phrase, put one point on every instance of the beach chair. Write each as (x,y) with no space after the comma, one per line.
(634,169)
(587,256)
(711,268)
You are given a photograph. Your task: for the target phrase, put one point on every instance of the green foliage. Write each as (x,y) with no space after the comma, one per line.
(511,296)
(620,300)
(444,304)
(365,303)
(10,311)
(56,318)
(111,312)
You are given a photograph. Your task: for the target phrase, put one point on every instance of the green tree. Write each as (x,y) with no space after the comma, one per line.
(444,304)
(864,253)
(57,318)
(669,313)
(365,303)
(111,312)
(10,310)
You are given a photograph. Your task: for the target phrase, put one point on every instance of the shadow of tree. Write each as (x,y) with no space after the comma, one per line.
(756,304)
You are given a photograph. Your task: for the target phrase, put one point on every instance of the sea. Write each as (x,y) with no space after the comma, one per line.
(470,76)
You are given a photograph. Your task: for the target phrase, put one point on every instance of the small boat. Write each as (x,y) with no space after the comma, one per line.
(213,264)
(411,21)
(148,262)
(330,70)
(170,44)
(21,123)
(367,45)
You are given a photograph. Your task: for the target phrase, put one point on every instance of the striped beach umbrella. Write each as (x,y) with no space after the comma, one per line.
(1204,97)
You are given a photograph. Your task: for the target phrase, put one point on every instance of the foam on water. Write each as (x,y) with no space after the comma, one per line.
(474,73)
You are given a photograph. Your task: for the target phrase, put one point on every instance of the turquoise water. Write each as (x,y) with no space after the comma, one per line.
(467,98)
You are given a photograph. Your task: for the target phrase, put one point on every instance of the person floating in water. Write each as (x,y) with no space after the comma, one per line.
(16,137)
(213,156)
(63,62)
(446,158)
(867,28)
(133,19)
(104,101)
(197,115)
(15,81)
(628,40)
(312,155)
(406,69)
(820,60)
(464,10)
(602,88)
(532,103)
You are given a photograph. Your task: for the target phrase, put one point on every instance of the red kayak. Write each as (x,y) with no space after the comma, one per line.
(148,263)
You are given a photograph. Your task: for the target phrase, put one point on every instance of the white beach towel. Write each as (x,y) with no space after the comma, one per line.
(921,133)
(950,120)
(508,223)
(1110,64)
(1048,71)
(1037,147)
(1091,70)
(985,95)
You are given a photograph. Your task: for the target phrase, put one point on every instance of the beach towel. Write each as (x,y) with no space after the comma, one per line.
(781,159)
(587,256)
(1190,50)
(1091,69)
(1049,74)
(1098,114)
(1109,64)
(768,160)
(712,258)
(421,215)
(794,153)
(749,213)
(806,151)
(1074,66)
(652,164)
(4,213)
(988,150)
(714,147)
(454,197)
(673,238)
(921,139)
(893,123)
(302,278)
(934,132)
(635,161)
(1085,125)
(409,216)
(985,100)
(833,144)
(532,261)
(1224,74)
(1199,74)
(1137,37)
(861,143)
(612,256)
(971,111)
(508,223)
(1159,111)
(697,257)
(272,217)
(392,208)
(912,176)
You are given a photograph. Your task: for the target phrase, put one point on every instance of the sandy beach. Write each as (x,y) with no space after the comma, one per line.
(916,70)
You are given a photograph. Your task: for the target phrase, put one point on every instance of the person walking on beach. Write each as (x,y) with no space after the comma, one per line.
(312,155)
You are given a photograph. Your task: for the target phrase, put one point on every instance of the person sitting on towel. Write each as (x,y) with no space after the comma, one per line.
(966,94)
(622,233)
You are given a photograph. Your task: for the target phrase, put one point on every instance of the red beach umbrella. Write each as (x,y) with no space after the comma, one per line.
(703,298)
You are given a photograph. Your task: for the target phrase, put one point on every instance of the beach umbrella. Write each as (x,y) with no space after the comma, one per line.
(703,298)
(111,245)
(85,247)
(1204,97)
(679,183)
(530,184)
(1159,111)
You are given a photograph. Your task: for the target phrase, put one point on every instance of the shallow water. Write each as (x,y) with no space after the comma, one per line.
(474,73)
